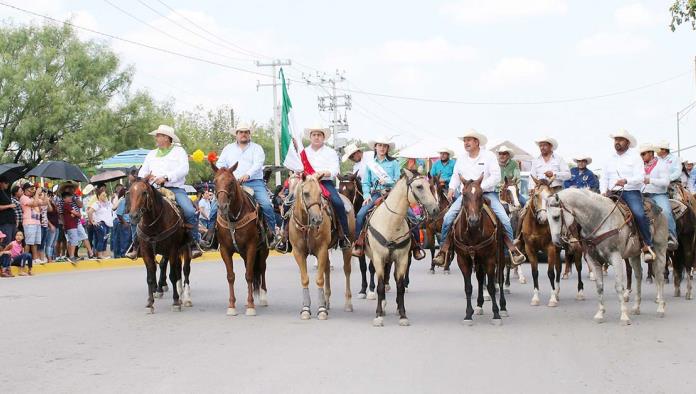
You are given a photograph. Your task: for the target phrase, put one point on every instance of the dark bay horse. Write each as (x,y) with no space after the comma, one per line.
(432,227)
(684,258)
(350,186)
(477,238)
(509,193)
(239,230)
(161,230)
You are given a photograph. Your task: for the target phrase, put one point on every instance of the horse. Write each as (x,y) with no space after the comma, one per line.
(509,193)
(477,238)
(349,185)
(311,232)
(608,237)
(239,229)
(161,230)
(162,286)
(388,237)
(432,227)
(537,237)
(684,258)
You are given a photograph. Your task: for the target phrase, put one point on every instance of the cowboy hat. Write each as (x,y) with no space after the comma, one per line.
(503,148)
(88,189)
(166,130)
(63,185)
(646,147)
(317,127)
(549,140)
(475,134)
(243,126)
(588,159)
(446,150)
(625,135)
(664,144)
(349,150)
(381,139)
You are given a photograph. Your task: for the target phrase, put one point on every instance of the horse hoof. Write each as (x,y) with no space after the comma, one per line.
(231,312)
(404,322)
(371,295)
(384,304)
(305,315)
(176,308)
(362,296)
(165,288)
(348,308)
(534,302)
(431,271)
(497,322)
(158,295)
(592,276)
(188,303)
(677,293)
(553,303)
(322,315)
(635,310)
(478,311)
(580,297)
(378,322)
(648,280)
(468,322)
(625,322)
(504,314)
(565,276)
(523,281)
(250,312)
(149,310)
(689,296)
(387,288)
(446,272)
(263,302)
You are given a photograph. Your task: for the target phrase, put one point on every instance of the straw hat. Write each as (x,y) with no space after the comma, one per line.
(446,150)
(647,148)
(349,150)
(626,135)
(664,144)
(552,141)
(88,189)
(243,126)
(317,127)
(471,133)
(588,159)
(503,148)
(383,140)
(166,130)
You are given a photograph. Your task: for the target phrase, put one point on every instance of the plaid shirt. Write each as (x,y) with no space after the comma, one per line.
(17,211)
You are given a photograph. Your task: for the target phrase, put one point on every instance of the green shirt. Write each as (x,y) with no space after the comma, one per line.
(510,170)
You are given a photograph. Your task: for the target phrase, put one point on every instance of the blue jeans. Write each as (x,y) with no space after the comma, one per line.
(634,200)
(19,261)
(261,195)
(101,235)
(337,203)
(122,234)
(662,201)
(522,198)
(9,231)
(362,214)
(495,205)
(186,205)
(44,232)
(51,238)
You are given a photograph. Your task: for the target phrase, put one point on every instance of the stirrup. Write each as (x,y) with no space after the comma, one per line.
(648,254)
(517,260)
(440,258)
(358,251)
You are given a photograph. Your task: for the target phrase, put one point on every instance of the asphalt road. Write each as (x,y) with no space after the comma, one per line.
(87,332)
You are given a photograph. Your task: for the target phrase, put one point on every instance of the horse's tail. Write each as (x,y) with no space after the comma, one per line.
(259,270)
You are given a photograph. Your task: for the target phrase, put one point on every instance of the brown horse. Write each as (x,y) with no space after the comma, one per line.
(508,194)
(478,241)
(311,232)
(239,230)
(432,227)
(161,230)
(684,258)
(537,237)
(350,186)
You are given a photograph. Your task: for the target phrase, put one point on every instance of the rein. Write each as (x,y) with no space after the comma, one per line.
(150,207)
(472,250)
(233,222)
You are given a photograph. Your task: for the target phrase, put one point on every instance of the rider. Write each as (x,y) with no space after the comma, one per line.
(474,163)
(359,158)
(671,160)
(444,167)
(656,182)
(509,169)
(168,166)
(623,173)
(582,177)
(250,157)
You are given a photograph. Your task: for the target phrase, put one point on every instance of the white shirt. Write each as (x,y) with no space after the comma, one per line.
(361,167)
(204,208)
(323,160)
(471,168)
(627,166)
(556,164)
(674,167)
(175,166)
(659,179)
(250,160)
(103,213)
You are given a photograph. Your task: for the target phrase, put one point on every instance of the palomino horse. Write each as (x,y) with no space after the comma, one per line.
(311,232)
(684,258)
(432,227)
(389,237)
(608,237)
(477,237)
(161,230)
(509,197)
(349,185)
(239,230)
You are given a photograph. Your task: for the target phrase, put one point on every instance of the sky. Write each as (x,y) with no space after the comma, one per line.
(496,60)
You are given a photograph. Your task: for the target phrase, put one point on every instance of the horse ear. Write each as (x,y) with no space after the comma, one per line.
(303,176)
(479,180)
(213,166)
(234,167)
(506,180)
(536,181)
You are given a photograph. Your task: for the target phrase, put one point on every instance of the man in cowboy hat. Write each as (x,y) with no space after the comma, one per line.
(672,160)
(472,165)
(444,167)
(168,166)
(582,177)
(655,188)
(359,158)
(250,157)
(509,169)
(623,173)
(550,165)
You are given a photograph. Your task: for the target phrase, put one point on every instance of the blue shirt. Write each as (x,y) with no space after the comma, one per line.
(584,180)
(121,210)
(250,160)
(444,171)
(371,182)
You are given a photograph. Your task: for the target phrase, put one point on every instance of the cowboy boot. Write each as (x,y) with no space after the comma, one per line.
(132,252)
(359,245)
(516,256)
(441,257)
(519,241)
(283,245)
(417,249)
(648,254)
(672,243)
(196,250)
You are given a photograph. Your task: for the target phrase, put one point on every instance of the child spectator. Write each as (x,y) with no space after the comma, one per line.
(74,231)
(15,252)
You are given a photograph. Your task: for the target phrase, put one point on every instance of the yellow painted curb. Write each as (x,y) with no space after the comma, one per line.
(92,265)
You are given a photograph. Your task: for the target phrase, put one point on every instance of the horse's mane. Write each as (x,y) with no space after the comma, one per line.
(159,198)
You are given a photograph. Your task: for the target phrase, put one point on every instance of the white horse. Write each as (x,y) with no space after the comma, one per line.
(609,239)
(389,236)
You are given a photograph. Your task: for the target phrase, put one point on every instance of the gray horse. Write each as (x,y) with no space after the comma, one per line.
(599,217)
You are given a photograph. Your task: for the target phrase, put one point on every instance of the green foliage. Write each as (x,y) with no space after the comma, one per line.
(683,11)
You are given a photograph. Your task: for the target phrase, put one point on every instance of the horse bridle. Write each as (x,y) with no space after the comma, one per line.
(241,207)
(149,205)
(358,191)
(409,190)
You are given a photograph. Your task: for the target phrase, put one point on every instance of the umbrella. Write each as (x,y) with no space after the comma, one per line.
(126,160)
(58,170)
(107,176)
(13,171)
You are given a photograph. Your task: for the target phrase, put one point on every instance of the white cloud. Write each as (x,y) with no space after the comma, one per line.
(636,15)
(434,50)
(606,44)
(514,71)
(486,11)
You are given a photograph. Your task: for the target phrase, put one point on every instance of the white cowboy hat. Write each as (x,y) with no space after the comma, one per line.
(646,148)
(550,140)
(475,134)
(664,144)
(588,159)
(446,150)
(503,148)
(317,127)
(88,189)
(383,140)
(349,150)
(625,135)
(243,126)
(166,130)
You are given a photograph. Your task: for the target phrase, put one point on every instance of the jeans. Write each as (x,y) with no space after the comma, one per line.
(495,205)
(122,234)
(18,261)
(662,201)
(261,195)
(186,205)
(362,214)
(44,233)
(91,232)
(634,200)
(522,198)
(337,203)
(51,238)
(101,236)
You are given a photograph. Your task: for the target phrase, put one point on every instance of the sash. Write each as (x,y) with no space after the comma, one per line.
(650,166)
(309,170)
(379,171)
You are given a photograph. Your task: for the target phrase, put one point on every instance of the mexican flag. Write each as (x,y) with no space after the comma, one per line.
(288,132)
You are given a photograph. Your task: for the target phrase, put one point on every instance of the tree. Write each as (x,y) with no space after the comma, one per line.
(683,11)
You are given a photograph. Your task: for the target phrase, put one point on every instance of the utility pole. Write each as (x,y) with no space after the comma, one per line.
(332,103)
(276,106)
